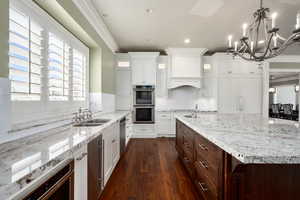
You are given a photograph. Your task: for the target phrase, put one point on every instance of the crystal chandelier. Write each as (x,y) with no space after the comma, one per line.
(261,40)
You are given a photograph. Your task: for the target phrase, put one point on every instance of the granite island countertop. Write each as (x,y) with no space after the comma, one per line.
(25,160)
(250,138)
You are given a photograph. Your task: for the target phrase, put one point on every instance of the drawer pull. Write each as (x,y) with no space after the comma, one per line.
(186,159)
(203,164)
(202,186)
(203,147)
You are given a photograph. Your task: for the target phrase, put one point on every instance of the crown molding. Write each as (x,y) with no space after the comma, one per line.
(88,9)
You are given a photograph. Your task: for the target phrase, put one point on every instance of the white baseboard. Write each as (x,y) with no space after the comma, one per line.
(144,136)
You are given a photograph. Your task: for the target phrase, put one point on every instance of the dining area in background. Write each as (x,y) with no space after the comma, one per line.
(284,96)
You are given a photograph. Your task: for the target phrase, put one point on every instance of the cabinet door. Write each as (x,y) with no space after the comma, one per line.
(123,90)
(138,72)
(250,89)
(116,145)
(226,96)
(80,175)
(107,140)
(149,73)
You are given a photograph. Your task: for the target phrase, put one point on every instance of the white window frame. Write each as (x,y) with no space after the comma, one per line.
(29,111)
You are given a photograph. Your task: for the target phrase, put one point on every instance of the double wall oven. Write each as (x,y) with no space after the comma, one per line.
(144,104)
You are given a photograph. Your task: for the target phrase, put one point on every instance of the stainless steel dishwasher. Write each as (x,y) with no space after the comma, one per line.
(122,135)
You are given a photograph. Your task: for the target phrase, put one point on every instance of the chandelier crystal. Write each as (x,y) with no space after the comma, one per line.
(261,39)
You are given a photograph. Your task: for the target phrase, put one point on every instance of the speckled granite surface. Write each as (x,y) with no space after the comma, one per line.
(24,160)
(250,138)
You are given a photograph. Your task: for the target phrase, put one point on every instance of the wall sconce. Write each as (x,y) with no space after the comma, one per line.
(207,67)
(272,90)
(161,66)
(296,88)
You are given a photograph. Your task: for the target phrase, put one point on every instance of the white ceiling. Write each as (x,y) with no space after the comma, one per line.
(206,22)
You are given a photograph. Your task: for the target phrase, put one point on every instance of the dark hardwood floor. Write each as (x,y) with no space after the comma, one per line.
(150,170)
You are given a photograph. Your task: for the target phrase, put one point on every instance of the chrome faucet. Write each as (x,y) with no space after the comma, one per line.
(82,115)
(195,112)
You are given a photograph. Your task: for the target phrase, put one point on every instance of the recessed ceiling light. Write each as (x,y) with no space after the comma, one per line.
(149,10)
(187,41)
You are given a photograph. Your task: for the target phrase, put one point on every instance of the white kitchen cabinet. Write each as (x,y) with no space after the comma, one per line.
(116,144)
(163,125)
(129,130)
(81,174)
(161,89)
(123,89)
(143,67)
(107,159)
(111,139)
(240,95)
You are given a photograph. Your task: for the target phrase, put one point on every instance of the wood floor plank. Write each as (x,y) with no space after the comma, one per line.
(150,170)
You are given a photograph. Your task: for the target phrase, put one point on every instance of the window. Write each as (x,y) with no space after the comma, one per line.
(25,57)
(79,67)
(58,69)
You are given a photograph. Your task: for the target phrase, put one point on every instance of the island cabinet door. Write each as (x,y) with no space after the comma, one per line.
(264,182)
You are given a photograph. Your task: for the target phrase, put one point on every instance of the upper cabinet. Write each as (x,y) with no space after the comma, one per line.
(185,67)
(143,67)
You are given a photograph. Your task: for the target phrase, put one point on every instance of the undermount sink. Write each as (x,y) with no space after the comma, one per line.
(93,122)
(188,116)
(101,121)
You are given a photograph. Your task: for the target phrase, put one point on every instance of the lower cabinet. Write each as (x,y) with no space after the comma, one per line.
(81,174)
(111,142)
(202,160)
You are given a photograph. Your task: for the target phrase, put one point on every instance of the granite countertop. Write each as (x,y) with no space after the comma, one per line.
(24,160)
(250,138)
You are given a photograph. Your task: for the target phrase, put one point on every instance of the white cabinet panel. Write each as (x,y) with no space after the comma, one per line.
(80,174)
(186,67)
(107,160)
(240,95)
(143,66)
(123,82)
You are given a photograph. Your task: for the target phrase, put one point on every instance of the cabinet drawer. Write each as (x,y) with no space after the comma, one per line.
(208,151)
(143,128)
(163,116)
(211,172)
(204,190)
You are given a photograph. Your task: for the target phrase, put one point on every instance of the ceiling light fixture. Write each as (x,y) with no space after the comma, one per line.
(263,30)
(187,41)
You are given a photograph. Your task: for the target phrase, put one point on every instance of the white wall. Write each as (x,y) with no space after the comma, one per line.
(285,95)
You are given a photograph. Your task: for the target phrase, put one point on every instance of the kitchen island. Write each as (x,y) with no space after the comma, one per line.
(244,157)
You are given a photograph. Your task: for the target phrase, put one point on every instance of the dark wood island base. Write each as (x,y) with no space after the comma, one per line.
(219,176)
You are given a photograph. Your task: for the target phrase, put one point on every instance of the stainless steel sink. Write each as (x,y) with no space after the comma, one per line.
(102,121)
(188,116)
(93,122)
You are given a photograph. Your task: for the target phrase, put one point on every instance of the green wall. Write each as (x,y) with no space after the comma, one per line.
(101,57)
(108,72)
(4,36)
(284,65)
